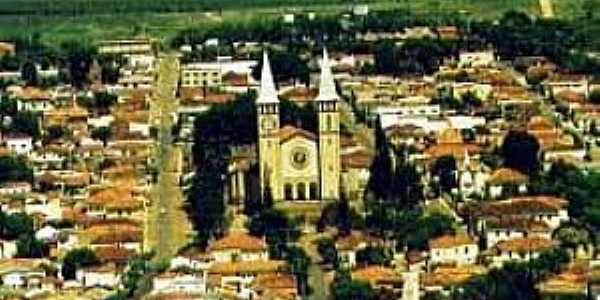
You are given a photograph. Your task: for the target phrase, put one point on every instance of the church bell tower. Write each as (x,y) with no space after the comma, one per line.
(269,151)
(329,133)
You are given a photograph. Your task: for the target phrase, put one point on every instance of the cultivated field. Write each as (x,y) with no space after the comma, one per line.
(90,20)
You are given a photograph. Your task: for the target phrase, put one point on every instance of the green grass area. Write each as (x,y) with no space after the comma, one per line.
(91,20)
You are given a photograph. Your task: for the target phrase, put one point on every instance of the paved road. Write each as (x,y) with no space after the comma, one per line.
(168,225)
(316,276)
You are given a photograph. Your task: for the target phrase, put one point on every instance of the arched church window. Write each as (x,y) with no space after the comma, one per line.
(301,191)
(313,191)
(287,190)
(329,125)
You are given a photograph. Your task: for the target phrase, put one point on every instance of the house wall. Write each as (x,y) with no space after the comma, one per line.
(461,255)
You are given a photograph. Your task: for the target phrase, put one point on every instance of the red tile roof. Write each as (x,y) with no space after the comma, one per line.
(239,240)
(450,241)
(287,132)
(523,206)
(503,176)
(525,244)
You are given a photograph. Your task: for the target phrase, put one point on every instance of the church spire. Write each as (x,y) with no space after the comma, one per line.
(267,92)
(327,91)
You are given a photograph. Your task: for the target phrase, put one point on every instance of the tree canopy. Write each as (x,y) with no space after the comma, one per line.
(520,150)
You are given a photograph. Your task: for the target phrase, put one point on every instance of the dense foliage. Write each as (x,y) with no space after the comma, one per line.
(14,169)
(75,259)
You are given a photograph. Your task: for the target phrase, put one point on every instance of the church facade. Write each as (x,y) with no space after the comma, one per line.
(295,164)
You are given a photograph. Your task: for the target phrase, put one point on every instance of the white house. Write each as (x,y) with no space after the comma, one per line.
(103,276)
(551,210)
(453,249)
(239,246)
(520,249)
(347,247)
(508,228)
(18,143)
(8,249)
(14,188)
(506,178)
(21,272)
(171,282)
(476,58)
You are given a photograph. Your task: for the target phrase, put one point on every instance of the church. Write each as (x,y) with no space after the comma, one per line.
(295,164)
(301,170)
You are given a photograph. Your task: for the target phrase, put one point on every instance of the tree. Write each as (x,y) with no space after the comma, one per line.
(386,58)
(373,256)
(299,262)
(594,96)
(8,107)
(14,169)
(76,259)
(29,73)
(79,58)
(416,235)
(327,251)
(15,225)
(26,122)
(344,217)
(445,169)
(54,132)
(381,168)
(278,230)
(102,133)
(520,151)
(29,247)
(353,290)
(103,101)
(286,66)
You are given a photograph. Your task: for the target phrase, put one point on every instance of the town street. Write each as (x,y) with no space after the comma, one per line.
(167,223)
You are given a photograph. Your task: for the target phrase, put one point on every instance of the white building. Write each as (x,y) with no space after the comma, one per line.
(19,144)
(520,249)
(453,249)
(170,282)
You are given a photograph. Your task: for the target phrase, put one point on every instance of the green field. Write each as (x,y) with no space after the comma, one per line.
(90,20)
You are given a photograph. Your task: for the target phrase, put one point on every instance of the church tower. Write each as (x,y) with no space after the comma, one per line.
(269,151)
(329,133)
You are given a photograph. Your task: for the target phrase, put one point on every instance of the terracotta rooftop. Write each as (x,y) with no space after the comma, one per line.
(539,123)
(503,176)
(11,264)
(248,267)
(360,159)
(376,275)
(114,254)
(523,206)
(525,244)
(300,94)
(451,241)
(201,96)
(235,79)
(354,240)
(517,223)
(238,240)
(34,94)
(287,132)
(117,198)
(455,149)
(275,281)
(114,233)
(451,276)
